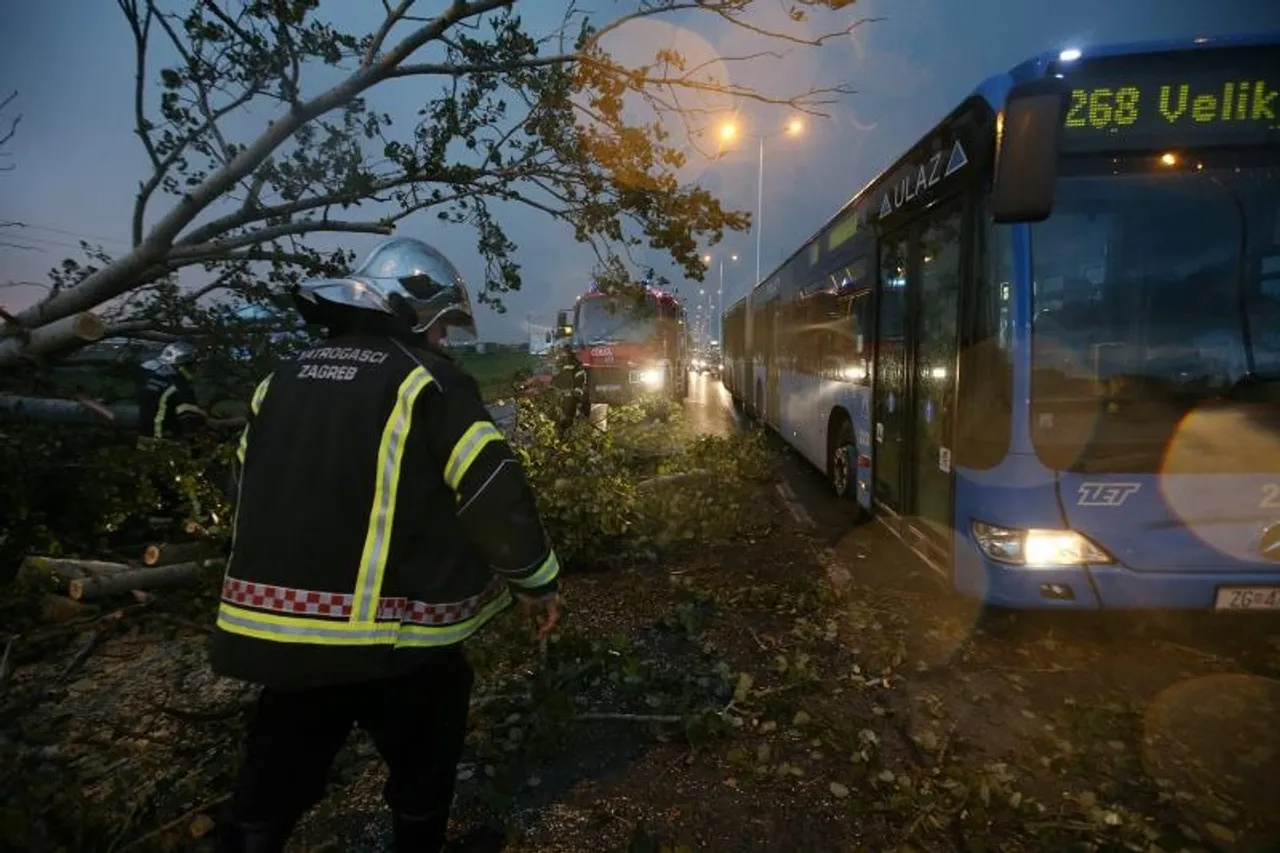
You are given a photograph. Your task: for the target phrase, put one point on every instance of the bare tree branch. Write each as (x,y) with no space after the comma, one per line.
(7,134)
(186,255)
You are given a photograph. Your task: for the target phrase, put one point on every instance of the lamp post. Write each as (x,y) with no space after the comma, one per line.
(729,131)
(719,294)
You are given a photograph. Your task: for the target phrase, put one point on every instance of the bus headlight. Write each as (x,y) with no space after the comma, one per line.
(652,378)
(1034,547)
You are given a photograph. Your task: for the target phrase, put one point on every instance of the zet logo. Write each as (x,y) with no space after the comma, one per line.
(1105,494)
(1269,544)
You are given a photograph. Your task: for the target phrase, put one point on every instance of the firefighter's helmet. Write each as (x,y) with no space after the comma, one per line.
(400,277)
(177,354)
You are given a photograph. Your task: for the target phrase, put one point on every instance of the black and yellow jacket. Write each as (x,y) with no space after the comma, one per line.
(570,375)
(381,515)
(167,405)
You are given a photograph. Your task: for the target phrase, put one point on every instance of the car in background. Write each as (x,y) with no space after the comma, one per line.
(709,361)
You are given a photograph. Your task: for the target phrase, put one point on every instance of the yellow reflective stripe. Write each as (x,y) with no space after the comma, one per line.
(189,408)
(303,629)
(255,404)
(325,632)
(545,574)
(259,394)
(467,449)
(373,561)
(158,424)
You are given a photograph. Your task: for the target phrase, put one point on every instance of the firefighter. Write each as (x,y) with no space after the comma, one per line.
(167,404)
(168,410)
(570,379)
(382,521)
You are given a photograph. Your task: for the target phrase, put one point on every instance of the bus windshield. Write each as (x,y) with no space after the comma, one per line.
(1154,295)
(604,320)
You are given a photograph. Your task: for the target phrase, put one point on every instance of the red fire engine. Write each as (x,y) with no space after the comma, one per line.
(631,343)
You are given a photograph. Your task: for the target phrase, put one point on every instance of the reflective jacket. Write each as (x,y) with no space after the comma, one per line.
(570,375)
(381,515)
(167,406)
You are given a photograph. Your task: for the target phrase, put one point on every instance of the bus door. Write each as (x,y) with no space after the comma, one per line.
(918,311)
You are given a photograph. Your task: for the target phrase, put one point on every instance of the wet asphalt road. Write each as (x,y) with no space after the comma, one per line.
(708,409)
(806,492)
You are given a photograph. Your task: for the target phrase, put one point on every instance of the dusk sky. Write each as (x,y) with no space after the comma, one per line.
(78,163)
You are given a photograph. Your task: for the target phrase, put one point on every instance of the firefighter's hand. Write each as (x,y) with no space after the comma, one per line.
(545,611)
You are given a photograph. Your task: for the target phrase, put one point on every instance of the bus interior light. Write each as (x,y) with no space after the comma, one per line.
(1037,548)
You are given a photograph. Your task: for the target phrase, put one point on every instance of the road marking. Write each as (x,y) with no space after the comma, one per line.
(798,512)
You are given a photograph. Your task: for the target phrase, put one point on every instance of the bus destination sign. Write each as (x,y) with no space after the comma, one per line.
(1198,98)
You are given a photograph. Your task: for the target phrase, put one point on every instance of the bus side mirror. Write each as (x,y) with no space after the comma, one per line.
(1029,133)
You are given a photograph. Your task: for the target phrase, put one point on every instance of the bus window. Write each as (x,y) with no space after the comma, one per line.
(861,326)
(1149,303)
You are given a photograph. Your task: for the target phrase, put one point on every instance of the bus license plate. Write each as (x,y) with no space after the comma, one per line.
(1248,598)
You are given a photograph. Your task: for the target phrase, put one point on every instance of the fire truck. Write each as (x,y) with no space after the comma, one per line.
(632,344)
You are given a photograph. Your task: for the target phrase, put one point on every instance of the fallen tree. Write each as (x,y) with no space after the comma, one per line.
(53,410)
(549,122)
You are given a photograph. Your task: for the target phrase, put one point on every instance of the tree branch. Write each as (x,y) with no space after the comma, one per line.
(201,91)
(6,136)
(394,16)
(190,253)
(120,276)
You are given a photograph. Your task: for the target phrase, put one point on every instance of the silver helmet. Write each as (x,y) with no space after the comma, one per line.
(406,271)
(177,354)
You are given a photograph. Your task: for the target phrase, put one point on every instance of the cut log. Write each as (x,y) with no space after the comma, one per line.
(153,577)
(59,608)
(67,569)
(166,554)
(59,411)
(64,334)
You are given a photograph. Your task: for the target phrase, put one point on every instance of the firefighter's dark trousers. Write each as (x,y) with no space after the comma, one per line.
(418,721)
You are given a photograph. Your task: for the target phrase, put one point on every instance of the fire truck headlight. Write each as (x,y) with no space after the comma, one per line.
(652,378)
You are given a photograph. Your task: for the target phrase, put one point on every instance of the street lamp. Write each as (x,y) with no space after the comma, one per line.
(730,131)
(706,259)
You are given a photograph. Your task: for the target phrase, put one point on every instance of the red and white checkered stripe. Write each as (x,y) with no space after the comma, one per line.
(281,599)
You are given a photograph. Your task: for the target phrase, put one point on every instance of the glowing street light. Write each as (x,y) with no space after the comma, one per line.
(718,294)
(730,131)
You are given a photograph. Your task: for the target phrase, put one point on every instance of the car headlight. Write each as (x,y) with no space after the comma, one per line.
(1019,547)
(652,377)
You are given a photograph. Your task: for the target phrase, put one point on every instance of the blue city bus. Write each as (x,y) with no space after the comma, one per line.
(1043,348)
